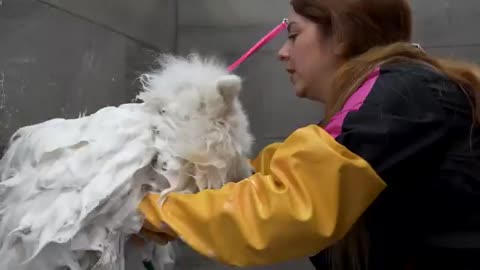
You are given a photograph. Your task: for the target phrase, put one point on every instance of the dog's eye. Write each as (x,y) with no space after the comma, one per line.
(164,166)
(163,111)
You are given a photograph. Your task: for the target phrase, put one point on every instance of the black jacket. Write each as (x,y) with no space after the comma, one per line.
(416,129)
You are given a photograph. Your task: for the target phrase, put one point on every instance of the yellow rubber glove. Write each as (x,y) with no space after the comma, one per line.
(308,193)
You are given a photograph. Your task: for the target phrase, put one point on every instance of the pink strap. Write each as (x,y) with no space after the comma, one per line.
(277,30)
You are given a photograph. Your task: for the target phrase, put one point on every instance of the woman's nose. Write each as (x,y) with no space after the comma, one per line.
(283,54)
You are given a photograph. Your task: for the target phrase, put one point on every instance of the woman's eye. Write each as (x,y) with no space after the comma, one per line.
(292,36)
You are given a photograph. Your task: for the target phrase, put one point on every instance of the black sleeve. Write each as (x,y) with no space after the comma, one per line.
(401,124)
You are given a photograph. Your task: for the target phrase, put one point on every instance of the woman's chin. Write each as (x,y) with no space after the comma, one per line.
(300,93)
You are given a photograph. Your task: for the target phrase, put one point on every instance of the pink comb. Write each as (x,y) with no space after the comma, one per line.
(277,30)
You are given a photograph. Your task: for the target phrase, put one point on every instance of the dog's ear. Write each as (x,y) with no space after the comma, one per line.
(229,87)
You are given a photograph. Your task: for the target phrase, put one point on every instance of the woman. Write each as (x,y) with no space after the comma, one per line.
(390,180)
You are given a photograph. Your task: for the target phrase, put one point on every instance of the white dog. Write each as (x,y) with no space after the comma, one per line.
(69,189)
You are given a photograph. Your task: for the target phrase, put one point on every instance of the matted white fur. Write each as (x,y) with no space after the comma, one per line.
(69,189)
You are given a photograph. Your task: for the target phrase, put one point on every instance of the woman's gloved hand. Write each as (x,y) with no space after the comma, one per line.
(160,232)
(161,238)
(156,230)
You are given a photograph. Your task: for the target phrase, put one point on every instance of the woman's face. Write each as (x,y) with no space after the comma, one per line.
(310,58)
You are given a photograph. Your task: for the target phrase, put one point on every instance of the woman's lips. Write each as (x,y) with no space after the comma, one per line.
(291,72)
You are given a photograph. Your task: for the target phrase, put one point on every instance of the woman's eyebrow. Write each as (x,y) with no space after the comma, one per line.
(289,26)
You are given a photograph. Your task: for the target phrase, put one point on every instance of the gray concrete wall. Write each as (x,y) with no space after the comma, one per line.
(62,57)
(448,27)
(56,64)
